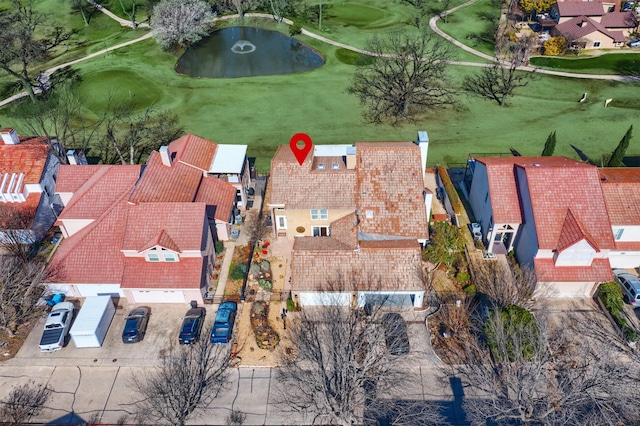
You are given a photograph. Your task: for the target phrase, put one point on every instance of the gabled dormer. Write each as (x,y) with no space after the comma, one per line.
(161,248)
(575,245)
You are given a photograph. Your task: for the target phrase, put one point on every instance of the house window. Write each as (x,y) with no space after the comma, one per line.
(238,196)
(170,257)
(282,222)
(619,233)
(596,44)
(486,198)
(319,214)
(153,257)
(320,231)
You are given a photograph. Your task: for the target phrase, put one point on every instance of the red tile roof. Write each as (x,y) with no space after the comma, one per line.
(503,193)
(71,178)
(560,184)
(345,230)
(599,271)
(572,232)
(579,8)
(182,222)
(160,183)
(193,150)
(104,186)
(92,255)
(29,157)
(215,192)
(163,239)
(390,185)
(621,189)
(140,274)
(581,26)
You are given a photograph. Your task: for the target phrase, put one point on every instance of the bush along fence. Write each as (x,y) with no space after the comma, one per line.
(609,297)
(450,190)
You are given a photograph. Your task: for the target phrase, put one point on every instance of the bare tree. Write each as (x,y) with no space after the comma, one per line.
(27,40)
(178,23)
(406,79)
(22,403)
(129,137)
(238,6)
(235,418)
(340,369)
(539,373)
(499,80)
(21,288)
(256,227)
(58,118)
(188,378)
(505,284)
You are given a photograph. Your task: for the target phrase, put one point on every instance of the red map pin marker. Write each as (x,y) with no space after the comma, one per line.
(300,152)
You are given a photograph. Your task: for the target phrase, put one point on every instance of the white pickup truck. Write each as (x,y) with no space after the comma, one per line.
(57,327)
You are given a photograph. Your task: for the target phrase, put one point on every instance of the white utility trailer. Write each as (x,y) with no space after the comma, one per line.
(92,323)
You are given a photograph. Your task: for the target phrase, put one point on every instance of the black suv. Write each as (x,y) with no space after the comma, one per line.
(136,325)
(192,326)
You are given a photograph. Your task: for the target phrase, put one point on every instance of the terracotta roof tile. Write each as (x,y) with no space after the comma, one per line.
(163,239)
(215,192)
(104,186)
(345,230)
(92,255)
(573,232)
(160,183)
(185,274)
(193,150)
(390,191)
(599,271)
(319,243)
(302,187)
(71,178)
(554,189)
(366,269)
(29,157)
(183,222)
(621,189)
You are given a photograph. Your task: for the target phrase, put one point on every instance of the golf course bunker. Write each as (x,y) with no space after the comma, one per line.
(247,52)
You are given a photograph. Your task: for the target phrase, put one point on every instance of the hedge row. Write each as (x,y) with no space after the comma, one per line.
(451,190)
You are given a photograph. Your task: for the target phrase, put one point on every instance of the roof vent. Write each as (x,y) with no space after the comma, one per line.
(9,136)
(321,167)
(536,164)
(164,154)
(335,166)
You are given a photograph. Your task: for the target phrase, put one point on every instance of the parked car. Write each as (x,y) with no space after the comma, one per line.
(223,324)
(192,326)
(135,325)
(630,286)
(395,333)
(634,43)
(57,326)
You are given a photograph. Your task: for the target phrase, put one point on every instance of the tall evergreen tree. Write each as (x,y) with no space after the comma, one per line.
(618,154)
(549,145)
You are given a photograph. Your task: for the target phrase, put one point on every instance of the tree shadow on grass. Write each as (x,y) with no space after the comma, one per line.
(628,66)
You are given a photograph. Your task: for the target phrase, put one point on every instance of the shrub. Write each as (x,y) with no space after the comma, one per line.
(555,46)
(514,335)
(451,190)
(238,271)
(471,290)
(267,285)
(630,334)
(611,295)
(291,306)
(295,29)
(463,277)
(219,246)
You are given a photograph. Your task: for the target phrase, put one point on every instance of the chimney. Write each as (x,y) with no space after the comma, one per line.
(351,157)
(423,143)
(166,157)
(9,136)
(72,157)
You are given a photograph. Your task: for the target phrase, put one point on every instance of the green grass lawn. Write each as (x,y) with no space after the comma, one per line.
(609,63)
(465,24)
(265,112)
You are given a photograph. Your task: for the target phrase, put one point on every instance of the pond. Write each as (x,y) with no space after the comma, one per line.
(247,52)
